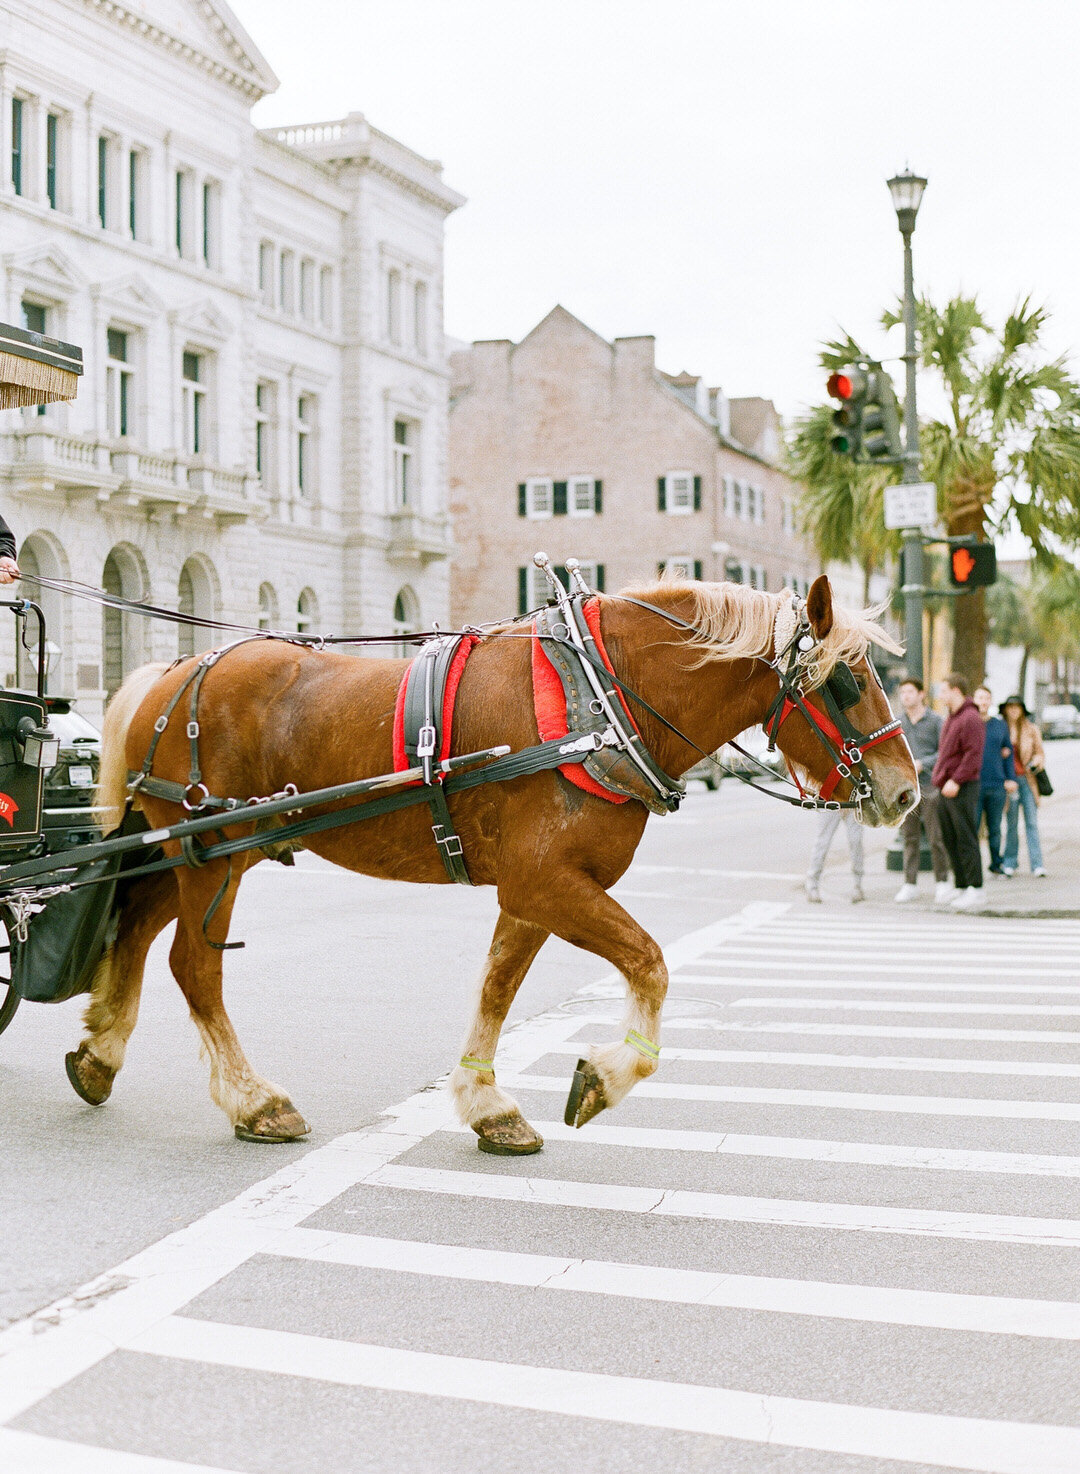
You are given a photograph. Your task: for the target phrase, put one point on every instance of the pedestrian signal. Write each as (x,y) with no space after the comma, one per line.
(972,565)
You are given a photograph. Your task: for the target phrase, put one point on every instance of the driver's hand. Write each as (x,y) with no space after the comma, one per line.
(9,570)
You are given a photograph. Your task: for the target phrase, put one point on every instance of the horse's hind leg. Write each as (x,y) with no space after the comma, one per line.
(492,1114)
(146,909)
(581,912)
(258,1110)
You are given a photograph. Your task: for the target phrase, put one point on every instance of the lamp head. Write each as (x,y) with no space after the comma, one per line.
(906,190)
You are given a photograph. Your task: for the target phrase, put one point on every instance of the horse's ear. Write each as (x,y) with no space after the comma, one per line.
(819,606)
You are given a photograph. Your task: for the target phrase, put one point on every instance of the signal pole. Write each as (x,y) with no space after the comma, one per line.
(907,192)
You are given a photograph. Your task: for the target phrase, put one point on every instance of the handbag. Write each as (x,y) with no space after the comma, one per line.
(1042,782)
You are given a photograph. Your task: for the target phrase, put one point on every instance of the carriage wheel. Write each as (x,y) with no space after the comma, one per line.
(9,999)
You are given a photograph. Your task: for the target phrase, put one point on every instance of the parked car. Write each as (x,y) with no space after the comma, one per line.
(756,745)
(1060,721)
(68,816)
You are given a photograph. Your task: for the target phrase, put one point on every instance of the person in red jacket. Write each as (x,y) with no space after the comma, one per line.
(956,774)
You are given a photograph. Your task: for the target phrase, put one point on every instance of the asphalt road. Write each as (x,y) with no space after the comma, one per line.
(837,1234)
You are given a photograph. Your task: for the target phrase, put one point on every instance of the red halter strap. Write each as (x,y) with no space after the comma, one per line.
(848,752)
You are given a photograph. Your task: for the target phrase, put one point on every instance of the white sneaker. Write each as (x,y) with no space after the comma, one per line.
(812,892)
(944,893)
(968,900)
(906,893)
(1040,872)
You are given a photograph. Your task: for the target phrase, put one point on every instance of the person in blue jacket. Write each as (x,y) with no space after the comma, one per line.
(998,777)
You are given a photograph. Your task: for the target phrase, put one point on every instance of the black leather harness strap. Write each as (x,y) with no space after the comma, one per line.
(425,696)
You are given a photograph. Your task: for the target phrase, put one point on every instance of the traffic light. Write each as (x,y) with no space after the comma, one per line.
(879,434)
(867,424)
(972,565)
(849,386)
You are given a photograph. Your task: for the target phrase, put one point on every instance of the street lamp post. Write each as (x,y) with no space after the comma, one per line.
(907,191)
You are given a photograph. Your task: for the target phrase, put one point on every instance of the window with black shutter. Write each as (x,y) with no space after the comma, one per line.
(661,493)
(523,590)
(558,499)
(699,569)
(599,585)
(598,497)
(697,493)
(523,499)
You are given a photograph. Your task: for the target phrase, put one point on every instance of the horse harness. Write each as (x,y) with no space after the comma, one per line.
(601,735)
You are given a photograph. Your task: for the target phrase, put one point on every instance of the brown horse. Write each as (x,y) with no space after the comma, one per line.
(273,713)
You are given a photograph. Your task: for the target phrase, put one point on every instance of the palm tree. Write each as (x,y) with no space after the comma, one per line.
(1042,617)
(1006,449)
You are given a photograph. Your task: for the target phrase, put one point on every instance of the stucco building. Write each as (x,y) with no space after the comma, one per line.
(261,432)
(584,448)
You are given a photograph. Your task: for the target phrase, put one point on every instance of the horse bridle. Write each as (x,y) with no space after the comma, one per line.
(841,739)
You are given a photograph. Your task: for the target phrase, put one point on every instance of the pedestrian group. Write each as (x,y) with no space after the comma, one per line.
(974,766)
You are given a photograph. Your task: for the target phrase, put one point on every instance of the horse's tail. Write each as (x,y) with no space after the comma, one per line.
(112,774)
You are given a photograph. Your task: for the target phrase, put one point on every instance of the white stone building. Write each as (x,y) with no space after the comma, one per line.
(260,434)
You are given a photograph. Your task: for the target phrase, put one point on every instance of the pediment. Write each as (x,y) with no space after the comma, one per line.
(48,268)
(205,31)
(202,320)
(132,295)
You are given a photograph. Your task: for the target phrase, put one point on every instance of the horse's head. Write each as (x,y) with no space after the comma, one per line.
(850,737)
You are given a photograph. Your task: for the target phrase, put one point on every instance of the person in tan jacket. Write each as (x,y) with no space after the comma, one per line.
(1028,757)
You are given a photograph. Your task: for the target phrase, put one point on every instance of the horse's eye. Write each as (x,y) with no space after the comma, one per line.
(860,681)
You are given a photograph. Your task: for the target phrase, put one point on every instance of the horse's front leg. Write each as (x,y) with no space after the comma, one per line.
(580,911)
(492,1114)
(258,1110)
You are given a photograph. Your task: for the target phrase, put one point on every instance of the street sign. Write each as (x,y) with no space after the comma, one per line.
(914,505)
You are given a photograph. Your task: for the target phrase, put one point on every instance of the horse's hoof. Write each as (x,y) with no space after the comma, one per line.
(586,1098)
(276,1122)
(90,1078)
(507,1136)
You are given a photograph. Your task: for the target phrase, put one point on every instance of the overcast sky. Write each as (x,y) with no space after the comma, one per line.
(710,172)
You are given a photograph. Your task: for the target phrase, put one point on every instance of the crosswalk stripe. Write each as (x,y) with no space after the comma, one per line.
(1002,1228)
(33,1453)
(944,924)
(844,1100)
(916,1063)
(861,1031)
(780,978)
(874,1005)
(980,1444)
(757,955)
(805,1149)
(991,1314)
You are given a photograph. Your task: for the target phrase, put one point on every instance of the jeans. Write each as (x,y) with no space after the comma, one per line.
(992,804)
(926,816)
(828,823)
(960,831)
(1024,799)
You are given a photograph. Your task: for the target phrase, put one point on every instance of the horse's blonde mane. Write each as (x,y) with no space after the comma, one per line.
(737,622)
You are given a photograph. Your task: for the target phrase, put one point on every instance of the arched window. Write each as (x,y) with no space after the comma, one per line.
(307,613)
(195,597)
(406,617)
(268,607)
(112,628)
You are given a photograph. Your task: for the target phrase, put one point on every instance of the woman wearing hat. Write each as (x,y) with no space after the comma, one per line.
(1028,756)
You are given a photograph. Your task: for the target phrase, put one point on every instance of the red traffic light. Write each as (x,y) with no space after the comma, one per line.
(840,386)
